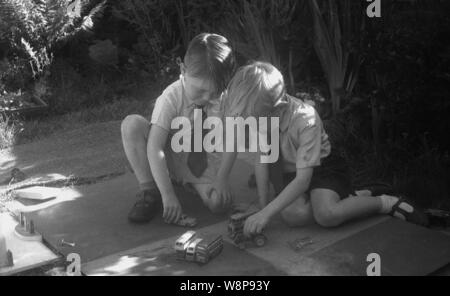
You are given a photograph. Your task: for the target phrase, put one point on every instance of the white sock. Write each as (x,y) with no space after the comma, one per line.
(387,202)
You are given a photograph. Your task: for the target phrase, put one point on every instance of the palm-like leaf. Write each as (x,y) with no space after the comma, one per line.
(95,13)
(333,56)
(36,26)
(255,26)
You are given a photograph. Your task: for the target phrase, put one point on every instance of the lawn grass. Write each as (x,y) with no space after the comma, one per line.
(26,131)
(40,128)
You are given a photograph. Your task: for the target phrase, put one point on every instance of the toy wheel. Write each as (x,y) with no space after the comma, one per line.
(260,240)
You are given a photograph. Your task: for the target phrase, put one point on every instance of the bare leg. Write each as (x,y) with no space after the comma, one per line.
(135,130)
(298,213)
(329,210)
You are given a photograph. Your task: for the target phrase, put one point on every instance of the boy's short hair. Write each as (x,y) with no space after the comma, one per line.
(210,56)
(256,83)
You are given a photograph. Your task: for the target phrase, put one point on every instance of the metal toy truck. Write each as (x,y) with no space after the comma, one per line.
(236,228)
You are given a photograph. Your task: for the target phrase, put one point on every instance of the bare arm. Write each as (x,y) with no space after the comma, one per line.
(158,165)
(226,165)
(257,222)
(292,191)
(262,182)
(221,183)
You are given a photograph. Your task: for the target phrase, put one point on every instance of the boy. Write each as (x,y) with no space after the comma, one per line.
(313,183)
(208,66)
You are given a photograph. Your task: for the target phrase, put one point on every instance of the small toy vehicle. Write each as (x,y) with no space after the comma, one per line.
(183,242)
(186,221)
(208,248)
(191,249)
(236,228)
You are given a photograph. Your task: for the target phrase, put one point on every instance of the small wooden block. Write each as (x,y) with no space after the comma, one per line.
(37,193)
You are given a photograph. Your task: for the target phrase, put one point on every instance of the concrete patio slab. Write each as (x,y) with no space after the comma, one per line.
(275,258)
(280,250)
(404,249)
(158,258)
(337,251)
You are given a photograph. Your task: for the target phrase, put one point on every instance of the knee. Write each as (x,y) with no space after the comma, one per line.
(295,217)
(327,217)
(215,207)
(131,125)
(214,204)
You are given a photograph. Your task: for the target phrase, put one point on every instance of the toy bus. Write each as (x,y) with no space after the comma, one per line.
(191,249)
(236,231)
(182,243)
(209,248)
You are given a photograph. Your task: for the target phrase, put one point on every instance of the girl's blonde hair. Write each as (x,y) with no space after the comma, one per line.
(256,83)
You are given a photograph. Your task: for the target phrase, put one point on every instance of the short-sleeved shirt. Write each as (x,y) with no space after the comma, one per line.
(174,103)
(303,140)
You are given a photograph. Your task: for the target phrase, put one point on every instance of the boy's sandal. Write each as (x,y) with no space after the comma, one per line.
(405,210)
(145,209)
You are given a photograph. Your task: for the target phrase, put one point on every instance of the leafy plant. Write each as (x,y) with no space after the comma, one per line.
(153,20)
(104,52)
(197,16)
(34,28)
(259,29)
(336,43)
(9,129)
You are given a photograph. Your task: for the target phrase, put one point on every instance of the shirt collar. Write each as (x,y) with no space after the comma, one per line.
(284,115)
(191,104)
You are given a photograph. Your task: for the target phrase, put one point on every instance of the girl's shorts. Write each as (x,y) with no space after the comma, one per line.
(333,174)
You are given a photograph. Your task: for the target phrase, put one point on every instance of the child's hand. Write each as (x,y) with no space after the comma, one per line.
(172,209)
(256,223)
(223,191)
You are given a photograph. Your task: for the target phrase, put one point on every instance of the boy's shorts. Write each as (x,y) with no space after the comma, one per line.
(179,171)
(332,174)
